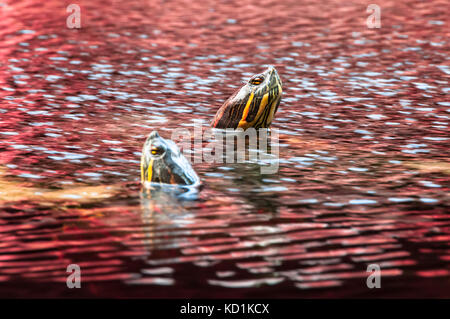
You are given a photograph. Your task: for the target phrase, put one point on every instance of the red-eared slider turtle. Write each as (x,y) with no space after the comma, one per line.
(162,163)
(253,105)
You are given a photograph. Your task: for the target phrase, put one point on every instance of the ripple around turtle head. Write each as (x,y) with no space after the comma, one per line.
(363,167)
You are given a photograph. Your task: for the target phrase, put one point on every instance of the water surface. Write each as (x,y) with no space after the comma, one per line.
(364,159)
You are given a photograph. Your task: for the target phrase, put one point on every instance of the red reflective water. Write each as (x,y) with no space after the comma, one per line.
(364,157)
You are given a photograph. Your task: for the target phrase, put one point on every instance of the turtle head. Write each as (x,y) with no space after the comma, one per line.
(254,104)
(163,163)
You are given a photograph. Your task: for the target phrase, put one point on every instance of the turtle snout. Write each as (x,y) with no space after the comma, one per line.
(153,135)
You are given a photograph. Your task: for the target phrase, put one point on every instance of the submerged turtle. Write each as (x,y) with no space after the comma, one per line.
(253,105)
(162,164)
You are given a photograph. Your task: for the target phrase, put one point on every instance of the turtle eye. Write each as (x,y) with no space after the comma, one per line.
(157,150)
(257,80)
